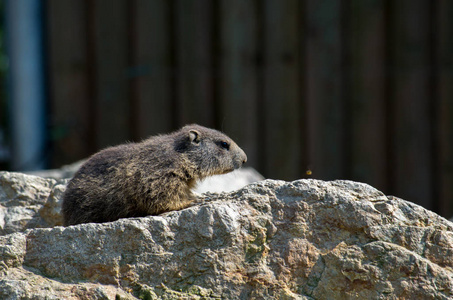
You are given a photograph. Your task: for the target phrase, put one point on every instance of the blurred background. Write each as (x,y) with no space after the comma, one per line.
(333,89)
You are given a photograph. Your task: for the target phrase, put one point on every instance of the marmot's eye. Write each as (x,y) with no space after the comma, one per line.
(224,145)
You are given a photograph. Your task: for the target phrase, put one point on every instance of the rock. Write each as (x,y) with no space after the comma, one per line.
(306,239)
(29,202)
(229,182)
(65,172)
(24,284)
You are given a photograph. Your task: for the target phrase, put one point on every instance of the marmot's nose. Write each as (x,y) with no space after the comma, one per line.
(244,159)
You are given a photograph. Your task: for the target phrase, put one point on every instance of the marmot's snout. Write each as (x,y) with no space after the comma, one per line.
(240,159)
(243,157)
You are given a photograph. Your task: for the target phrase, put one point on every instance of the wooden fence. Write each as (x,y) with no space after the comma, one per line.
(359,90)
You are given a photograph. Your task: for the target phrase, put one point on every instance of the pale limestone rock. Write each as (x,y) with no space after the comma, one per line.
(65,172)
(28,201)
(306,239)
(229,182)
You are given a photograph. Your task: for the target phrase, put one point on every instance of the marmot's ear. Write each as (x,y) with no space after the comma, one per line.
(194,136)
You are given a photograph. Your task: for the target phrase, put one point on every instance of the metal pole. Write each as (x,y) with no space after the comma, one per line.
(26,92)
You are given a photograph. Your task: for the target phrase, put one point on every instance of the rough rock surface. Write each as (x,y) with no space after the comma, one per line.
(29,202)
(65,172)
(229,182)
(306,239)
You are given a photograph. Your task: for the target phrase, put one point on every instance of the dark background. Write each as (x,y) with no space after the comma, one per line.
(359,90)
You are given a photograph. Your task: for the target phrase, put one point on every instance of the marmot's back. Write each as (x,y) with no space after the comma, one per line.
(148,178)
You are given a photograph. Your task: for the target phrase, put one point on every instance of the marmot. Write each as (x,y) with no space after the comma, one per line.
(150,177)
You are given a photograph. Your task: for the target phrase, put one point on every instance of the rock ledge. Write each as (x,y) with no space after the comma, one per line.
(306,239)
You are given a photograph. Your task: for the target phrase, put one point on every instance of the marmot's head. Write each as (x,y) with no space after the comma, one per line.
(210,150)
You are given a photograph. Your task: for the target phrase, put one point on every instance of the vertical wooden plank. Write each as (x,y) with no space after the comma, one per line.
(152,68)
(444,17)
(323,63)
(113,124)
(238,76)
(194,46)
(282,99)
(69,89)
(412,138)
(367,88)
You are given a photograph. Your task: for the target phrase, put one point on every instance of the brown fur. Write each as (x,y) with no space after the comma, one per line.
(148,178)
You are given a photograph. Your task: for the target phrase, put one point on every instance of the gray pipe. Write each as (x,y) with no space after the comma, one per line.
(26,86)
